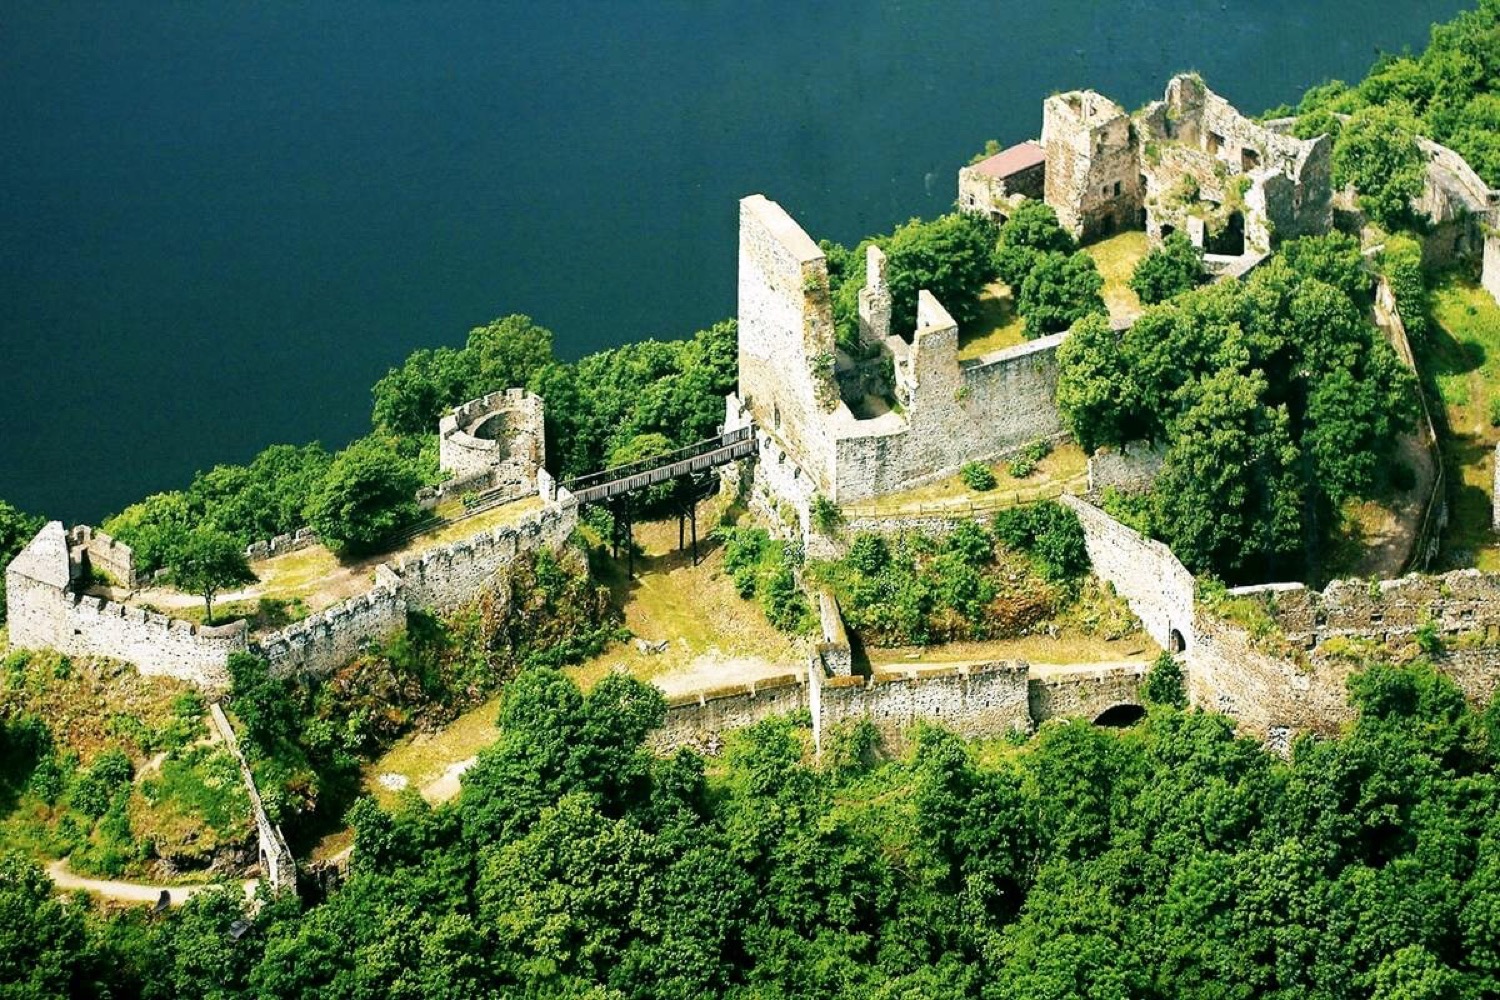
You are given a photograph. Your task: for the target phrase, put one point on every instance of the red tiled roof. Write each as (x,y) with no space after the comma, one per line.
(1012,161)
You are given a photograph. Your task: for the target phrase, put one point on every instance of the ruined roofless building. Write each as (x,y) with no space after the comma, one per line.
(1188,163)
(830,425)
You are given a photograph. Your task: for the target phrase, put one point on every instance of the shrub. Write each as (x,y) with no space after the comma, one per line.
(1050,534)
(826,516)
(1401,263)
(1059,291)
(977,476)
(869,554)
(1169,269)
(1164,683)
(971,544)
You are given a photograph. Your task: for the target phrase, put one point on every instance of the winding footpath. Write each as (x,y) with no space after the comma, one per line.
(129,892)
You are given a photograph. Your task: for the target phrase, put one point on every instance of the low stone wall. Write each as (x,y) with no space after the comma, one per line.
(277,866)
(1131,468)
(302,538)
(700,719)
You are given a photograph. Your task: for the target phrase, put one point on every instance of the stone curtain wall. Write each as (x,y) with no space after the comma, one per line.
(440,580)
(1085,694)
(324,641)
(46,613)
(982,700)
(834,651)
(278,866)
(957,413)
(1158,588)
(987,699)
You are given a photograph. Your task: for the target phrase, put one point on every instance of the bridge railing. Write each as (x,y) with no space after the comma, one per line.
(579,484)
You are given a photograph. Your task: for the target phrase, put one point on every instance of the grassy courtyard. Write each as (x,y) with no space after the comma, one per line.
(1461,358)
(1116,258)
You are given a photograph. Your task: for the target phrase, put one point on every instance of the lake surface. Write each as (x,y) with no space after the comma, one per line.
(220,224)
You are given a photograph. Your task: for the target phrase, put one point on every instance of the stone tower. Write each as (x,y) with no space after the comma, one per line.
(1092,179)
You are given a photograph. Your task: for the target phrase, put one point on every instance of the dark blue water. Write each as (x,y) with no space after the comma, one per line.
(219,226)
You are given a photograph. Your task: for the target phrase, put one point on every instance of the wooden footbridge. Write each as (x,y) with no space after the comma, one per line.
(613,488)
(702,456)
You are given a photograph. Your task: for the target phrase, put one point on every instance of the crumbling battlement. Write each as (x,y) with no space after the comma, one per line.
(439,580)
(496,442)
(92,551)
(1463,600)
(950,412)
(45,611)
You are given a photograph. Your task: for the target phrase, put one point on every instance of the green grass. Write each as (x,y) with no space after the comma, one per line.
(1461,359)
(1116,258)
(998,326)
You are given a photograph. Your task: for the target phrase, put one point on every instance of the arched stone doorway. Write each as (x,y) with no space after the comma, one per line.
(1120,716)
(1175,642)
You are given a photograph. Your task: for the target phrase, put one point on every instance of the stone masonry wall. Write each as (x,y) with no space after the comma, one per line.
(1491,273)
(440,580)
(786,335)
(974,411)
(278,866)
(1158,588)
(1085,694)
(982,700)
(91,548)
(496,442)
(46,613)
(1131,469)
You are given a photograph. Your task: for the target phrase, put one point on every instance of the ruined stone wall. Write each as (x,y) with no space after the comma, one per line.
(1084,693)
(982,700)
(1490,276)
(1092,171)
(1131,468)
(996,197)
(496,442)
(700,720)
(278,866)
(1158,588)
(834,651)
(45,613)
(440,580)
(91,549)
(988,699)
(1265,692)
(786,335)
(957,413)
(322,642)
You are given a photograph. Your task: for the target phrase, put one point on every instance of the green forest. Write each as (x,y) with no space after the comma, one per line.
(1173,860)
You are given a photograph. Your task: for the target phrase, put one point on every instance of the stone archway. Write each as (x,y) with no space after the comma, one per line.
(1176,644)
(1120,716)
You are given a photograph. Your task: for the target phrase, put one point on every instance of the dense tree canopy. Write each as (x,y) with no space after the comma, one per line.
(1452,89)
(368,494)
(1173,860)
(1173,267)
(1276,398)
(1377,152)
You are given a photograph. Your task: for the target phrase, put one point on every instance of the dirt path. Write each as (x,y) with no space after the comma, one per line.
(130,892)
